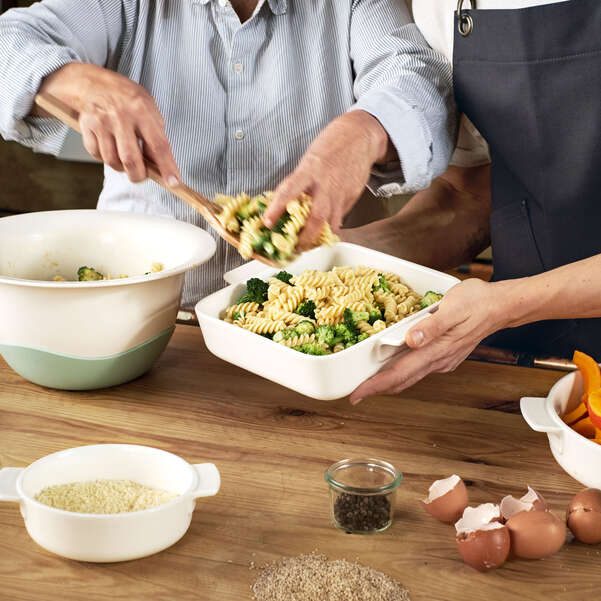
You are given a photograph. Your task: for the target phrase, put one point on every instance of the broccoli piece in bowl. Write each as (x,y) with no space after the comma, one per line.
(88,274)
(285,335)
(256,292)
(352,318)
(362,337)
(325,335)
(344,334)
(429,299)
(304,327)
(284,276)
(375,314)
(313,348)
(306,309)
(382,285)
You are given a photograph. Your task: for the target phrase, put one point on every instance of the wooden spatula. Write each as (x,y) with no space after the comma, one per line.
(209,210)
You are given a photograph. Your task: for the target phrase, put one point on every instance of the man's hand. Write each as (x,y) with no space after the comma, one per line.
(334,171)
(467,314)
(119,119)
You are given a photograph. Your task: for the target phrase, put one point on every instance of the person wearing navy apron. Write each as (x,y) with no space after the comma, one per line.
(529,80)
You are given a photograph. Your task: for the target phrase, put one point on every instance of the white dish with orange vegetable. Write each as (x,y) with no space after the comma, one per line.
(578,455)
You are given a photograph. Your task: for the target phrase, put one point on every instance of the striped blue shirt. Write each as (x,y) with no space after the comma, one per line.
(242,102)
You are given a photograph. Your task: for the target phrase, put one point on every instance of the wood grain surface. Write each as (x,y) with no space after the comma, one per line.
(272,447)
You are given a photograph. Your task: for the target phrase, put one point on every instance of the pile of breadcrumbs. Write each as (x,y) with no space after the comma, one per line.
(315,578)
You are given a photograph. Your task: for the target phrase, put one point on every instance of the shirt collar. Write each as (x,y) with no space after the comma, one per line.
(278,7)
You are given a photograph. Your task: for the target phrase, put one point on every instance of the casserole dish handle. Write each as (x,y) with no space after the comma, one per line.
(537,416)
(244,272)
(209,480)
(8,484)
(397,338)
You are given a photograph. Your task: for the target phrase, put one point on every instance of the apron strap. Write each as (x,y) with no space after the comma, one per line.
(465,23)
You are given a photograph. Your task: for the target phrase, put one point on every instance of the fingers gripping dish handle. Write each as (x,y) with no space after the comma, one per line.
(8,484)
(536,413)
(209,480)
(396,337)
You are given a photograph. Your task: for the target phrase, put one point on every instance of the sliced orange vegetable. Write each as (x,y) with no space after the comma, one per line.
(586,428)
(589,368)
(594,408)
(577,414)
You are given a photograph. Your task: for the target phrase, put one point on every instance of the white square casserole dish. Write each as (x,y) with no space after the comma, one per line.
(320,377)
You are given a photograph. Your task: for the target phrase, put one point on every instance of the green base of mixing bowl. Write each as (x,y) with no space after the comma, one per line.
(67,372)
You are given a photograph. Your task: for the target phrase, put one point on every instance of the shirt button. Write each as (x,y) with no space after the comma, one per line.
(238,67)
(239,135)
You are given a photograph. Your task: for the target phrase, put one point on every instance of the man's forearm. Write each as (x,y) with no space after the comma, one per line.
(571,291)
(442,227)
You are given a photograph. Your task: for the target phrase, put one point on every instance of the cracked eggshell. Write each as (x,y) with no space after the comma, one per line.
(536,534)
(531,501)
(584,516)
(482,540)
(447,499)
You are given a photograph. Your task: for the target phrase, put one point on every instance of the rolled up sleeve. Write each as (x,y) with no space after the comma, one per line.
(407,86)
(39,40)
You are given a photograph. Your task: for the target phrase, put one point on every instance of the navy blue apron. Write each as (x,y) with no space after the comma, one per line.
(530,81)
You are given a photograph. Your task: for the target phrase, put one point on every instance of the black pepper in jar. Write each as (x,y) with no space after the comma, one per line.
(360,513)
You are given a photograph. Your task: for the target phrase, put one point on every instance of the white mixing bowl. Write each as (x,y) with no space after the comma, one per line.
(578,456)
(109,537)
(84,335)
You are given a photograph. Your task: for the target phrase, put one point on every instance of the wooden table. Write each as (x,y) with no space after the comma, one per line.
(272,447)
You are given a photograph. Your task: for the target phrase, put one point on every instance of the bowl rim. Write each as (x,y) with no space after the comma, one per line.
(549,405)
(201,257)
(82,515)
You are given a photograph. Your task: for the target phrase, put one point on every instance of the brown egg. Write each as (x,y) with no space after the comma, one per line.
(446,499)
(485,549)
(482,540)
(584,516)
(536,534)
(531,501)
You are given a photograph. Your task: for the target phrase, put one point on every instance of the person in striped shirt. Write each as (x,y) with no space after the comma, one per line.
(233,95)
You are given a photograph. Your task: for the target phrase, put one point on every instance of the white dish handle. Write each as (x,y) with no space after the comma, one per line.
(209,480)
(397,338)
(8,484)
(244,272)
(536,414)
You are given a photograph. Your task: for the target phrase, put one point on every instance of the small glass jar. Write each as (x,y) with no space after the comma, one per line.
(362,494)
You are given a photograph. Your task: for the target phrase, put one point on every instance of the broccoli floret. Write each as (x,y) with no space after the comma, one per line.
(306,309)
(284,276)
(349,344)
(375,314)
(261,206)
(281,222)
(344,334)
(256,292)
(382,285)
(362,337)
(325,334)
(260,240)
(430,298)
(352,318)
(313,348)
(285,335)
(269,248)
(88,274)
(238,315)
(304,327)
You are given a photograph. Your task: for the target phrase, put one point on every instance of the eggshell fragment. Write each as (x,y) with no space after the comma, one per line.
(447,499)
(584,516)
(482,540)
(531,501)
(536,534)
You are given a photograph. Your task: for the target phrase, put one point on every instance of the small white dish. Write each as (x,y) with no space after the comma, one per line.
(578,456)
(109,537)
